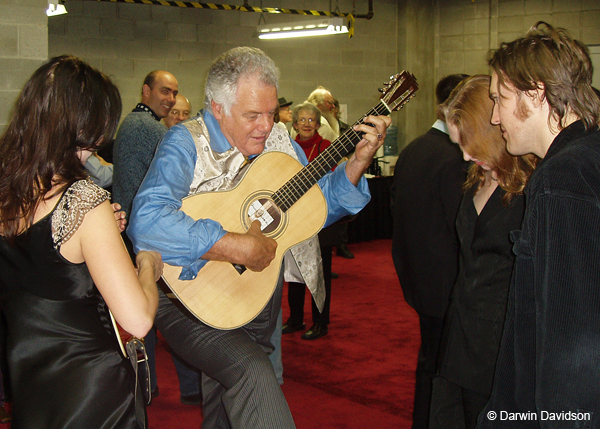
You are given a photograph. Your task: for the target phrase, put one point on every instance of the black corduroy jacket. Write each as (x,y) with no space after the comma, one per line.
(549,362)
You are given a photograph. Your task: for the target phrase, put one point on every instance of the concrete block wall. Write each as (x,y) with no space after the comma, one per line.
(469,29)
(440,37)
(430,38)
(416,48)
(23,47)
(127,41)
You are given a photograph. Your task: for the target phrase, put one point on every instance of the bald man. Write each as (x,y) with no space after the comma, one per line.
(139,134)
(180,111)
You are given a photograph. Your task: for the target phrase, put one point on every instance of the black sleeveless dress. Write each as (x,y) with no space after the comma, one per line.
(65,363)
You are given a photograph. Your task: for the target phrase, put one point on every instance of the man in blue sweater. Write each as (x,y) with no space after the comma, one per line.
(139,135)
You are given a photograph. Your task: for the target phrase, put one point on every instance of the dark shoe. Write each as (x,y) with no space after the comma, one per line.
(335,275)
(344,252)
(316,331)
(4,416)
(288,328)
(191,399)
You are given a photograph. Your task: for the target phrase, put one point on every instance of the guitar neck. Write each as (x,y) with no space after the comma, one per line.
(297,186)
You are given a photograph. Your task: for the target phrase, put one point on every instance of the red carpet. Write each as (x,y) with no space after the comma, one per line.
(361,375)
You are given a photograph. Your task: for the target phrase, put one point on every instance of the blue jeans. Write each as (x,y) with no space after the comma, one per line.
(189,377)
(275,357)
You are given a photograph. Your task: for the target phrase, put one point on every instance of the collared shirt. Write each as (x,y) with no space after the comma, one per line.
(157,223)
(440,125)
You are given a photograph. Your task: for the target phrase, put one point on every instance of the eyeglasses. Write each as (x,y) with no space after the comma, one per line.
(304,120)
(184,113)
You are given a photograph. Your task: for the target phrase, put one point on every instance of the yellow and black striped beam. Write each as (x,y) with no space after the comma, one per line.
(244,8)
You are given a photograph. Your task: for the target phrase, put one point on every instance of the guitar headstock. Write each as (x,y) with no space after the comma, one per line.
(399,90)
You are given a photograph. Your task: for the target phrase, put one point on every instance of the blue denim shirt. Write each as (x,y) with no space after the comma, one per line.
(158,224)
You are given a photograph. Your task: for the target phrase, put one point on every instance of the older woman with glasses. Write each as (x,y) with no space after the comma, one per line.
(306,120)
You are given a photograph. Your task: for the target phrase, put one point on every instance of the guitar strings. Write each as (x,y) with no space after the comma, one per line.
(287,195)
(298,185)
(306,178)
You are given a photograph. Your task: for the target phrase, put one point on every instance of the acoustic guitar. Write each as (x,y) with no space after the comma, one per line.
(284,196)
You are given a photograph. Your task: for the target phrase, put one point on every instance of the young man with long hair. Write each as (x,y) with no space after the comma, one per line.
(547,369)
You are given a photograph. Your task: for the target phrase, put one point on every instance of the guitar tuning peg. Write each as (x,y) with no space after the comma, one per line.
(380,90)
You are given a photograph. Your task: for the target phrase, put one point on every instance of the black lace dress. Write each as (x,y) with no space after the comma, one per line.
(65,363)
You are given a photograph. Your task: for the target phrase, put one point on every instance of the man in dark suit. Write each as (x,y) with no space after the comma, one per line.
(426,194)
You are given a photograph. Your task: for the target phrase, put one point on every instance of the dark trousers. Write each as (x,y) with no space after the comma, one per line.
(431,336)
(297,291)
(239,386)
(453,406)
(189,377)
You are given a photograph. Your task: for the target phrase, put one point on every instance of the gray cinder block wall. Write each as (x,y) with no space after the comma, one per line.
(441,37)
(127,41)
(468,30)
(23,47)
(430,38)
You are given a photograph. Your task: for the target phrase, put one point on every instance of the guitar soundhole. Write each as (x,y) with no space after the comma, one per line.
(265,211)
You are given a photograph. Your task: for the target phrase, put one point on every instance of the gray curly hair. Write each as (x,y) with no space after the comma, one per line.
(225,72)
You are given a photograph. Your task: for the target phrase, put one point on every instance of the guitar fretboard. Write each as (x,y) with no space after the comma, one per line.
(297,186)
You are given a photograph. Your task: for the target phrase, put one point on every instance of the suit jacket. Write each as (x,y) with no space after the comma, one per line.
(426,194)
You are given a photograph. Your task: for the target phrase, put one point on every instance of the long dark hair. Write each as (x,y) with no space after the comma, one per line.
(65,106)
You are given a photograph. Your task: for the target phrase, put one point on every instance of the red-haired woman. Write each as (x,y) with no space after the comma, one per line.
(491,208)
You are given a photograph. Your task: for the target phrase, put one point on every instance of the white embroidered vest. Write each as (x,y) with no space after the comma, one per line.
(216,171)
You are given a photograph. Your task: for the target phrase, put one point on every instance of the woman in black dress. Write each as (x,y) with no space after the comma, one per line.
(62,260)
(491,208)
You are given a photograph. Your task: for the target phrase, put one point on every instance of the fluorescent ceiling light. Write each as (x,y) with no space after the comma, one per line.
(315,27)
(55,8)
